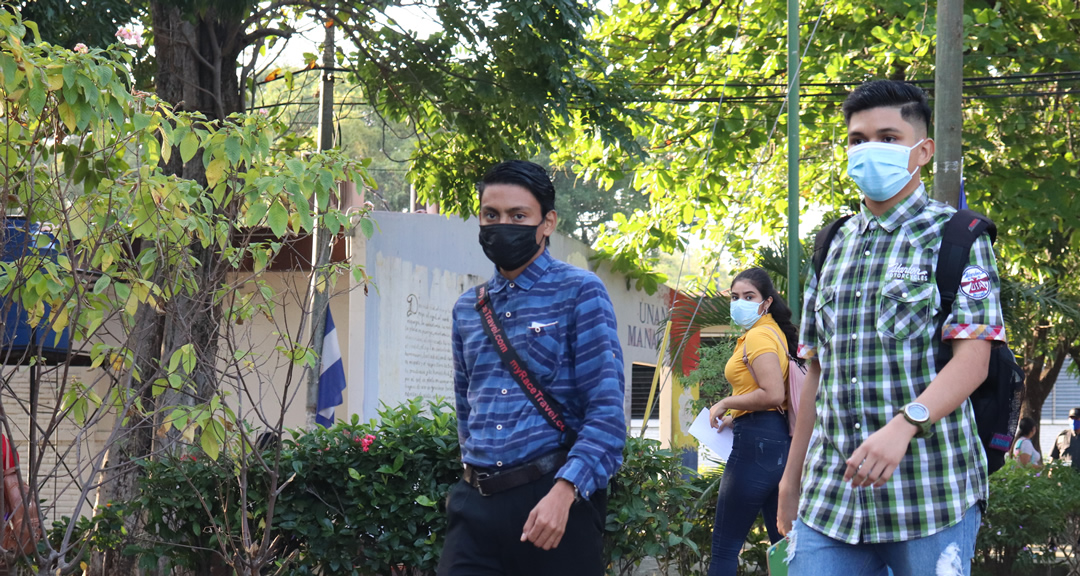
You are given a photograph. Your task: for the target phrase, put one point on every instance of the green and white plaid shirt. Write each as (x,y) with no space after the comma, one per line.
(870,320)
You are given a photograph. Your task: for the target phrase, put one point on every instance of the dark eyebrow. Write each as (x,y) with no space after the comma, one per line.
(888,130)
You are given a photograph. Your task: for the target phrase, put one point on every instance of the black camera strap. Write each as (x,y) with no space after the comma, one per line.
(548,406)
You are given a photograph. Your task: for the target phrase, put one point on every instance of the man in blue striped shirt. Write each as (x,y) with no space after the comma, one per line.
(532,499)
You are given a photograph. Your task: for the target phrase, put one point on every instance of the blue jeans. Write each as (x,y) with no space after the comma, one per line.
(749,486)
(946,553)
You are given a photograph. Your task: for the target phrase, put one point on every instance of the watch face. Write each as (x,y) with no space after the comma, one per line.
(918,412)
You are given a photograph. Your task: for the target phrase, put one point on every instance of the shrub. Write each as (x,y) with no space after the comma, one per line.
(377,508)
(654,511)
(1030,513)
(354,499)
(708,377)
(365,499)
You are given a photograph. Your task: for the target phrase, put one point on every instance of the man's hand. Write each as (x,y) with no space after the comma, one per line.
(547,521)
(875,460)
(787,508)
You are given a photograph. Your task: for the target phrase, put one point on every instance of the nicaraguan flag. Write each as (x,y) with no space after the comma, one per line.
(332,377)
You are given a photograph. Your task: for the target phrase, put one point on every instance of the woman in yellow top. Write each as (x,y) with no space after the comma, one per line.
(755,412)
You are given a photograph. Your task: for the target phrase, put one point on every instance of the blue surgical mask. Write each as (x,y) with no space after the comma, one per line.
(880,169)
(745,313)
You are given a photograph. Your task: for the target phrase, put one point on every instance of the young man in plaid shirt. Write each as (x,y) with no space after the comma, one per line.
(886,453)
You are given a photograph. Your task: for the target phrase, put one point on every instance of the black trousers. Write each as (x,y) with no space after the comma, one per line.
(484,534)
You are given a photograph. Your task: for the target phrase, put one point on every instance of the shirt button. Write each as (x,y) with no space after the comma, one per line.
(857,425)
(508,314)
(867,253)
(858,293)
(854,380)
(498,427)
(854,336)
(499,464)
(511,284)
(504,391)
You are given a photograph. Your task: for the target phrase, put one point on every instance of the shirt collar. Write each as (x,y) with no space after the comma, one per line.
(904,210)
(528,277)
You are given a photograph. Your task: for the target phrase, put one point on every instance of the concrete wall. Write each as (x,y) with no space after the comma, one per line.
(419,265)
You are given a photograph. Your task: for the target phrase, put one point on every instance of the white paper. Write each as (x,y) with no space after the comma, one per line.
(719,442)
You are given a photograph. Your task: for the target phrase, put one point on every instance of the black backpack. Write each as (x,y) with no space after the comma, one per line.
(996,402)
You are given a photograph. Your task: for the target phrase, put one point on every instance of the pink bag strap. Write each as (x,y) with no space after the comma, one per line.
(746,357)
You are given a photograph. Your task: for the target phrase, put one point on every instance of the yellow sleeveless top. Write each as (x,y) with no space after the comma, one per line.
(757,341)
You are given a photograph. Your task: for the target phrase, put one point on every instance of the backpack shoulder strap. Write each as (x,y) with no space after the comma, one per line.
(960,234)
(822,241)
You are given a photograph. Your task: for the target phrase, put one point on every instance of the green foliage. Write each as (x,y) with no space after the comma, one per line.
(714,76)
(357,510)
(352,499)
(70,23)
(708,377)
(369,498)
(1031,513)
(652,509)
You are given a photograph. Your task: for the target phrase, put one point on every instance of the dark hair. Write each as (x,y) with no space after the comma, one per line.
(528,175)
(1025,428)
(779,309)
(910,99)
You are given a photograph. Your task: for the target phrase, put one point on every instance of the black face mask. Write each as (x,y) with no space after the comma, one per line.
(509,246)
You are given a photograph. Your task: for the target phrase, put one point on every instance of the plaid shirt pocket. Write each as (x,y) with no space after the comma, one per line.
(825,314)
(904,310)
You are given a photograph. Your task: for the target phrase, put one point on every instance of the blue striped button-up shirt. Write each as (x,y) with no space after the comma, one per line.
(560,321)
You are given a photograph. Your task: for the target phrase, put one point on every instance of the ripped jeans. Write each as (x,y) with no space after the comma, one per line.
(946,553)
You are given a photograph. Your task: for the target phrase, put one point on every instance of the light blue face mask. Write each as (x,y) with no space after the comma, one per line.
(880,169)
(745,313)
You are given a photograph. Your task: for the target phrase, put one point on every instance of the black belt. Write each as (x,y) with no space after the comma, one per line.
(490,482)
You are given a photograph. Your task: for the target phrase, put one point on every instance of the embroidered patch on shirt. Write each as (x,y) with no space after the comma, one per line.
(912,273)
(975,283)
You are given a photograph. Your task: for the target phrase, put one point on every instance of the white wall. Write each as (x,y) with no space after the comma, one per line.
(420,264)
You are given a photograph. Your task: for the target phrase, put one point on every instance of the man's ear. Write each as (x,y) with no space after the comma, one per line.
(550,220)
(924,152)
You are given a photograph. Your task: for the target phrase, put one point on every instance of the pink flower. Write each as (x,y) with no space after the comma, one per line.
(129,36)
(366,442)
(81,48)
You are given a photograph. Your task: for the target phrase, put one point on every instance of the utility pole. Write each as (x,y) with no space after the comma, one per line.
(794,246)
(321,240)
(948,89)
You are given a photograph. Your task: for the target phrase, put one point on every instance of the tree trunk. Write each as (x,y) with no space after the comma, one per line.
(1040,381)
(196,60)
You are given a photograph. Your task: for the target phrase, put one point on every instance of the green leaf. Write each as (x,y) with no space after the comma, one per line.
(233,148)
(278,219)
(210,443)
(102,284)
(36,98)
(367,227)
(189,146)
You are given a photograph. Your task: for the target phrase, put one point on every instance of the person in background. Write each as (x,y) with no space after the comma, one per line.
(1066,445)
(1024,450)
(754,412)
